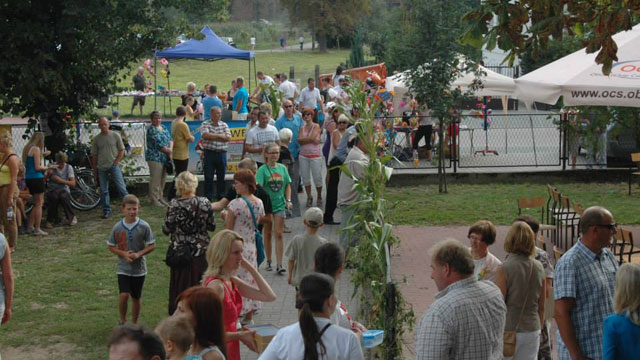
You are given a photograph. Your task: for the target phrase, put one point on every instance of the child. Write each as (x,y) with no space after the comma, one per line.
(131,239)
(177,336)
(302,248)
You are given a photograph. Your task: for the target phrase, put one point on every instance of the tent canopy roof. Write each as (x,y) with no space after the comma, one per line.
(211,47)
(580,81)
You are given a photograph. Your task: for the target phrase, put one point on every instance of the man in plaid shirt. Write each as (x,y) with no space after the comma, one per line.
(584,285)
(466,321)
(215,136)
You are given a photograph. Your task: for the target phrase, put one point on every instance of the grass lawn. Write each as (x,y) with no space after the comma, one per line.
(67,292)
(66,288)
(221,73)
(466,203)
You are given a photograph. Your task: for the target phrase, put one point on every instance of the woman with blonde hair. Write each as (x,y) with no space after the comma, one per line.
(224,258)
(32,155)
(621,333)
(9,189)
(188,222)
(521,280)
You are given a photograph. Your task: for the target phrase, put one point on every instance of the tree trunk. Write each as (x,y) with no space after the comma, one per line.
(322,42)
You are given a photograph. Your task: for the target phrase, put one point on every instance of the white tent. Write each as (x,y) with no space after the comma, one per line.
(579,80)
(494,84)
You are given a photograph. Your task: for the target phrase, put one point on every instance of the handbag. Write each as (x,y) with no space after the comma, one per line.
(258,234)
(178,256)
(168,167)
(509,337)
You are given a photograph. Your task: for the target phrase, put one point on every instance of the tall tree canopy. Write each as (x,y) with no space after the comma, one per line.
(327,18)
(61,55)
(530,23)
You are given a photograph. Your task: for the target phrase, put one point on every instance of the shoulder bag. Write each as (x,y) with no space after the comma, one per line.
(509,339)
(258,234)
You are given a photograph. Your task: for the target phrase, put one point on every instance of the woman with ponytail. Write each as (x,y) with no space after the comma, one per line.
(313,337)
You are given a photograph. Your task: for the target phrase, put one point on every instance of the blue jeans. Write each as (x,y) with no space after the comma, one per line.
(215,163)
(118,180)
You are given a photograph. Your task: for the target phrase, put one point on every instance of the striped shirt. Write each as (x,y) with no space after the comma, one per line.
(590,280)
(221,128)
(465,322)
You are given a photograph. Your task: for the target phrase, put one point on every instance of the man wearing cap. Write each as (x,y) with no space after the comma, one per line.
(356,163)
(302,248)
(139,84)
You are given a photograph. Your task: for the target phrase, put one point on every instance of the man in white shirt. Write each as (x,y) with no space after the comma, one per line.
(310,96)
(259,136)
(263,80)
(287,88)
(341,95)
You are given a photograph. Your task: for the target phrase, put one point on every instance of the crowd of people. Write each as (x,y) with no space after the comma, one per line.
(486,308)
(492,309)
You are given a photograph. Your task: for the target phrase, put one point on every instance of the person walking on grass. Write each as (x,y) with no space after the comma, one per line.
(302,248)
(131,239)
(274,177)
(107,150)
(32,155)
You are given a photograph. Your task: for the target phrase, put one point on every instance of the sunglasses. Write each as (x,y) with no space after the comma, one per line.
(307,114)
(610,227)
(288,106)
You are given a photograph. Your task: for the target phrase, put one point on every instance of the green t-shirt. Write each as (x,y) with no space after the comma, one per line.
(106,147)
(274,180)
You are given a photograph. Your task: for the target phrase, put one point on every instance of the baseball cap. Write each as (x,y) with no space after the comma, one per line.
(314,217)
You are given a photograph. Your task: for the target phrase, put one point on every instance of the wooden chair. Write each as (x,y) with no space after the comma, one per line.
(623,239)
(534,203)
(635,158)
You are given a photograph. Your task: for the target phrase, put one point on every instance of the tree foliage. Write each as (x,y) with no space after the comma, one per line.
(529,24)
(327,18)
(63,55)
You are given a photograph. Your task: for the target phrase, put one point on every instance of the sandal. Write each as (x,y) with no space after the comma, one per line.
(309,201)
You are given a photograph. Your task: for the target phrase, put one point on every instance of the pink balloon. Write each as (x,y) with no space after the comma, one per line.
(147,62)
(164,62)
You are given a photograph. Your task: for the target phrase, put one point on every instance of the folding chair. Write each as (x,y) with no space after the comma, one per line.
(623,239)
(635,158)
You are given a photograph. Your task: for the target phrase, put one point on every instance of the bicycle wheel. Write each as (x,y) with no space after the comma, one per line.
(85,195)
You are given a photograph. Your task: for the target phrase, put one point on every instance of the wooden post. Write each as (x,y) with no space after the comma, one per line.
(317,75)
(291,72)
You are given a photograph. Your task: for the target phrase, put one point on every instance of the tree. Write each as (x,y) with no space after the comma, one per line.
(326,18)
(62,55)
(529,24)
(432,53)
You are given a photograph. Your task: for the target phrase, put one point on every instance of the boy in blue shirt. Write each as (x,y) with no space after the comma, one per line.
(131,239)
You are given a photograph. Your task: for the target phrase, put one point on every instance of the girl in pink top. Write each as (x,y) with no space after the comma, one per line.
(310,156)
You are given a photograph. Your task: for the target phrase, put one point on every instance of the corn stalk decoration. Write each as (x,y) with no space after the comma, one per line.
(382,305)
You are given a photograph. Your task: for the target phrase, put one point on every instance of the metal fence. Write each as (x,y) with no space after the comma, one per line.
(510,71)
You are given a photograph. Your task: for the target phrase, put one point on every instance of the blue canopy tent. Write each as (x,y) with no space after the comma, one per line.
(210,48)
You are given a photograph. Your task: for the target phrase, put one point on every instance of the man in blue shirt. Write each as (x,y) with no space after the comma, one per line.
(241,99)
(292,122)
(584,281)
(210,101)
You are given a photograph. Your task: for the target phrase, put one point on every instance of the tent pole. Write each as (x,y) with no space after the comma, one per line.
(255,77)
(533,136)
(155,82)
(249,76)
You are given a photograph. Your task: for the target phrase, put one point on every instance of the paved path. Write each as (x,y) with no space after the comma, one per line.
(282,312)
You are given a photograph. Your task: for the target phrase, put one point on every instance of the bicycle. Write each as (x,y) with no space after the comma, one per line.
(85,195)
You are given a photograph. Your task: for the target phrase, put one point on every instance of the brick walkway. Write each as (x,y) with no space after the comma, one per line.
(282,312)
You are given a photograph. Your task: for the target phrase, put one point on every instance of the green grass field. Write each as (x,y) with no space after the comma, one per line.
(221,73)
(66,288)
